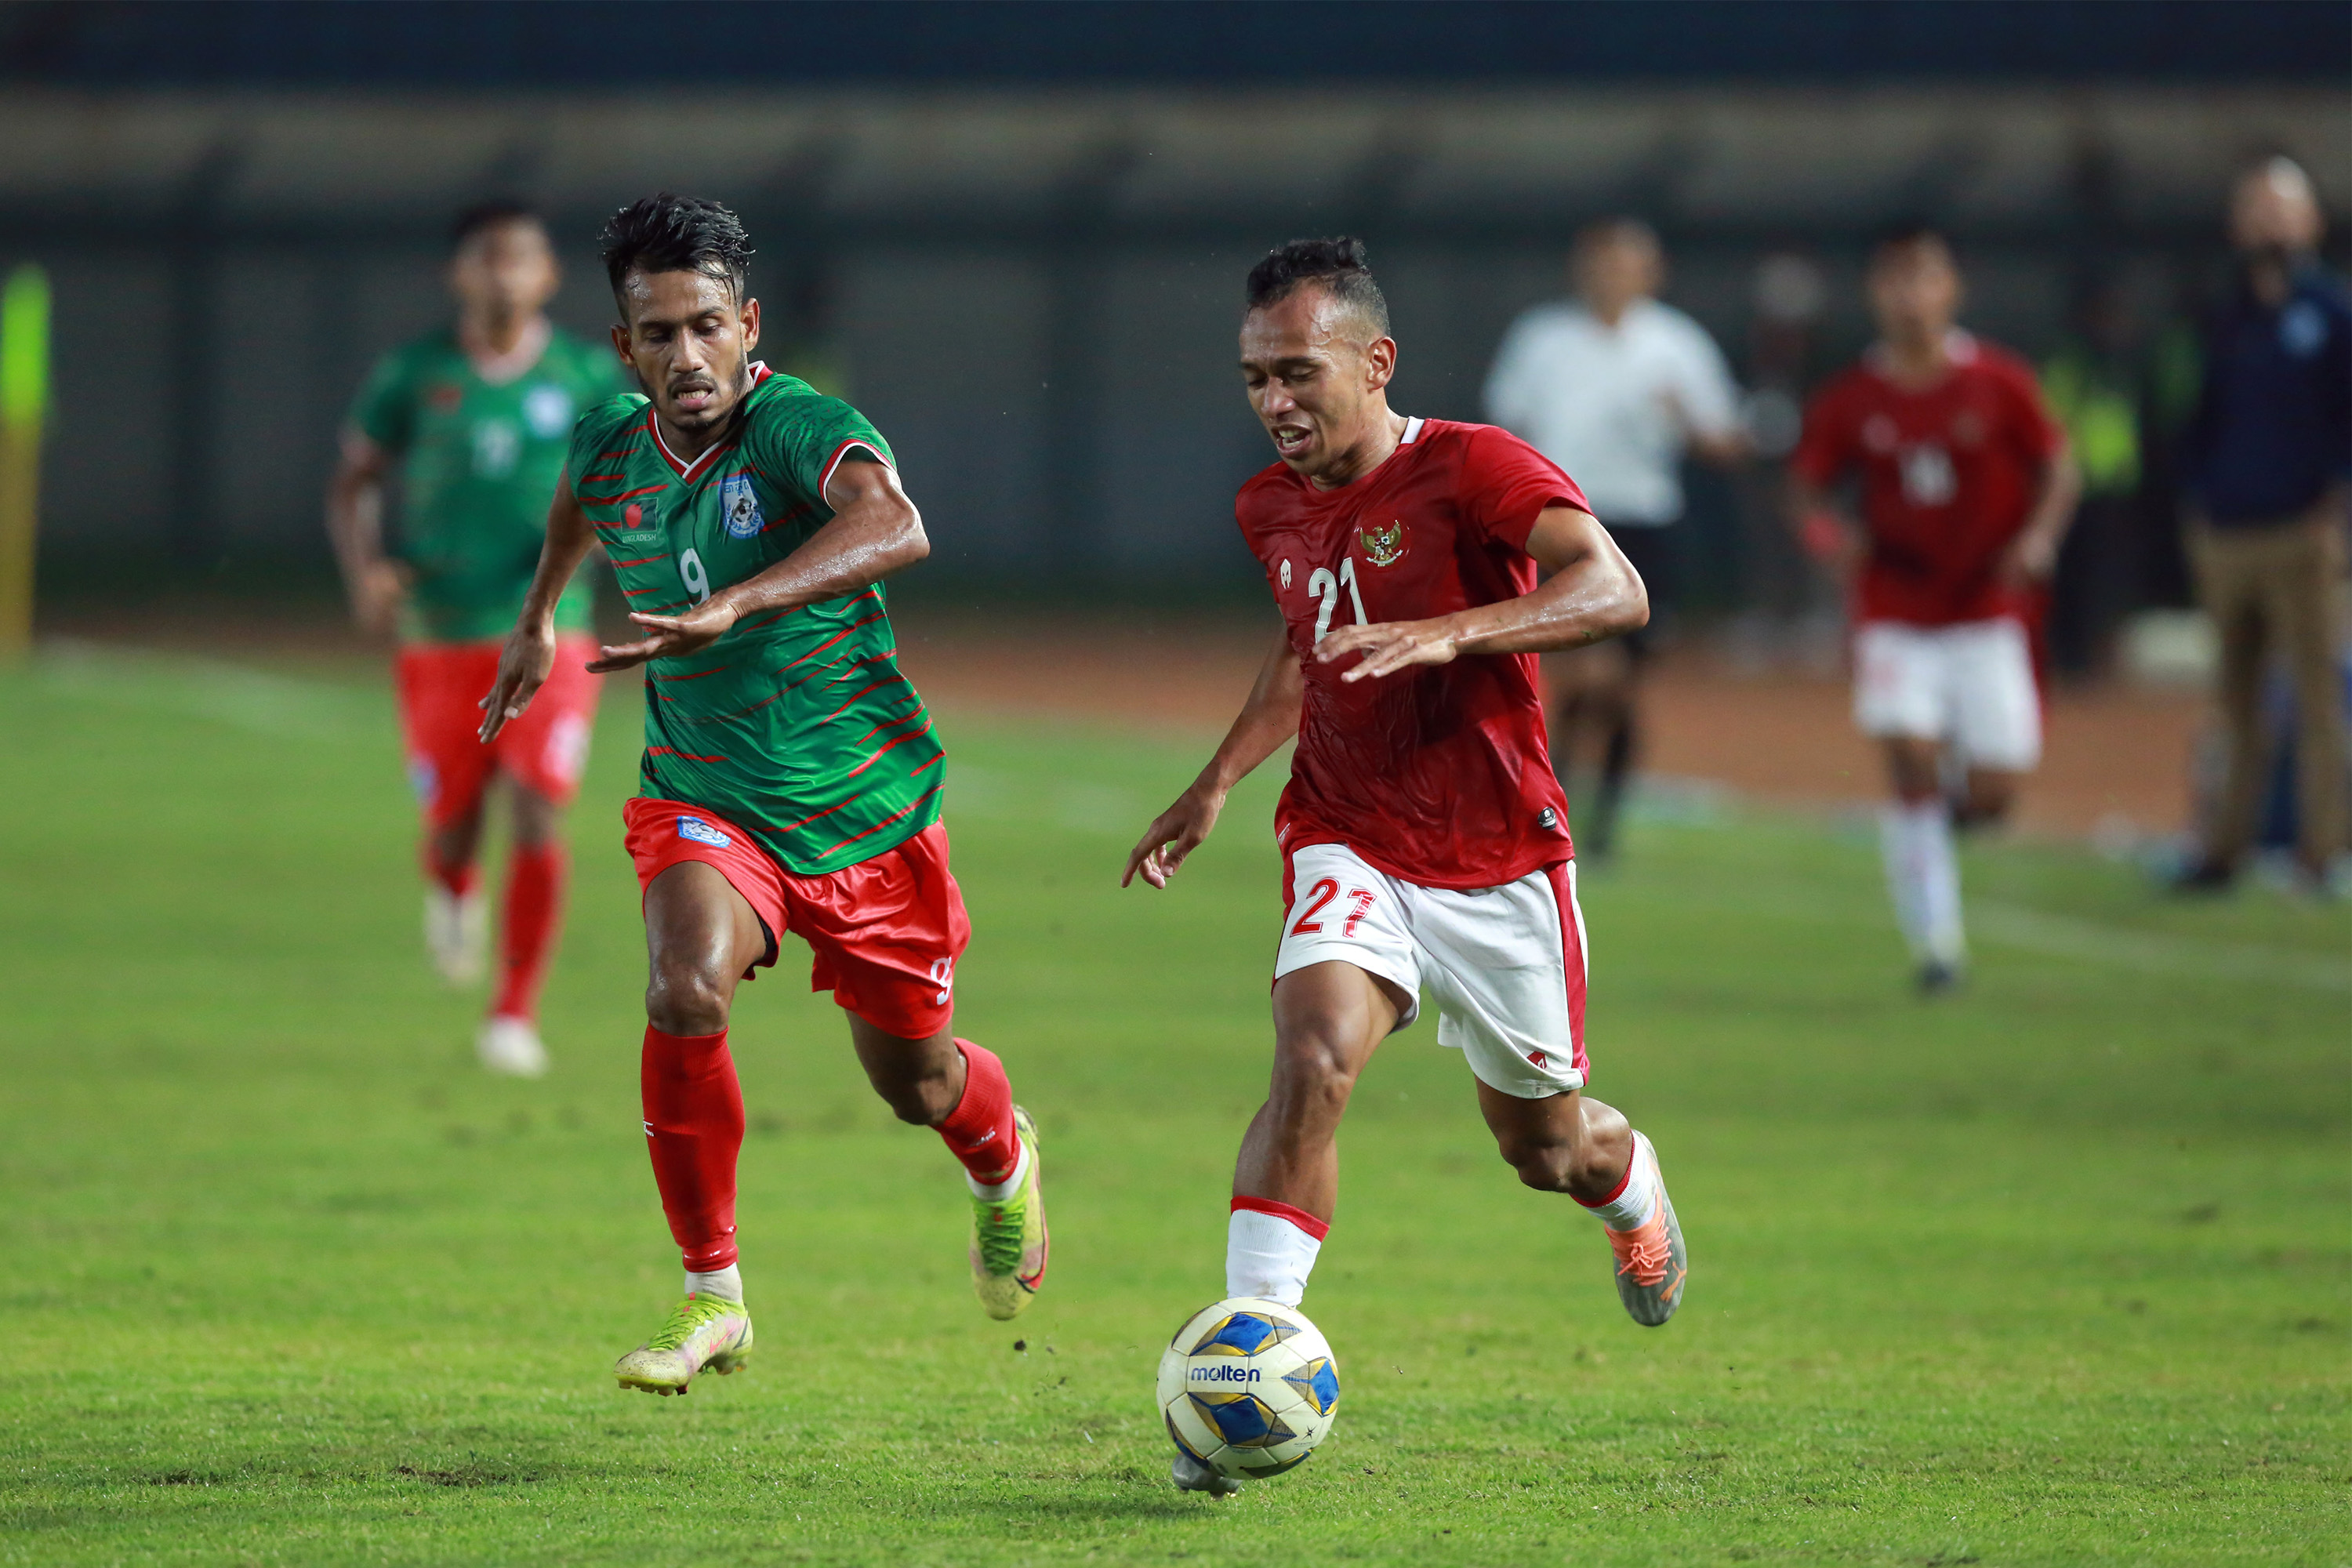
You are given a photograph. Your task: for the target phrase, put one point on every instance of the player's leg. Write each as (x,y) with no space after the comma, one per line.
(1595,729)
(542,755)
(885,934)
(1508,969)
(449,771)
(1901,699)
(1328,1018)
(2305,589)
(701,936)
(2227,587)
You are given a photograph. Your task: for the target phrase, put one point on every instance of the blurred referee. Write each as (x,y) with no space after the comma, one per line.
(1614,388)
(2267,459)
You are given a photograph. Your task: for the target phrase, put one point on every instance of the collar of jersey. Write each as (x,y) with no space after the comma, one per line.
(694,471)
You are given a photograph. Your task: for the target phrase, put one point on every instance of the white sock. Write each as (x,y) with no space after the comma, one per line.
(727,1284)
(1637,1200)
(1922,877)
(1269,1255)
(1005,1188)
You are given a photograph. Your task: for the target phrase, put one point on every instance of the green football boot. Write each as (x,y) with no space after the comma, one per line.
(703,1332)
(1009,1241)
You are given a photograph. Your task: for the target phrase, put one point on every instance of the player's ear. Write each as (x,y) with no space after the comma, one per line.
(751,325)
(621,345)
(1379,363)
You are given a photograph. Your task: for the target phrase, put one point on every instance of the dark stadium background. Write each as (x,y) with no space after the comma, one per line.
(1015,231)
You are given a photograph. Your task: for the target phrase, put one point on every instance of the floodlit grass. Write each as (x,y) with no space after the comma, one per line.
(2055,1271)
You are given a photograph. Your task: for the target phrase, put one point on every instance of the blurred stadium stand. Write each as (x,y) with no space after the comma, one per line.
(1016,232)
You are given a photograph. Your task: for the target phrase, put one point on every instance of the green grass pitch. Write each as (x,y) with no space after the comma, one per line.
(2052,1272)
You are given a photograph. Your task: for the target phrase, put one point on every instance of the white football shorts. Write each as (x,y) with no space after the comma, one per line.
(1970,684)
(1505,964)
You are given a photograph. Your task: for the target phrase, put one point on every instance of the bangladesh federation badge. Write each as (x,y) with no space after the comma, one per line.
(1382,546)
(739,505)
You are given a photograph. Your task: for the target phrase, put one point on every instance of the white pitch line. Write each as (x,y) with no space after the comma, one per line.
(2063,936)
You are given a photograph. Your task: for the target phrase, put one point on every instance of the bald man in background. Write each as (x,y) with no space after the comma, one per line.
(2266,460)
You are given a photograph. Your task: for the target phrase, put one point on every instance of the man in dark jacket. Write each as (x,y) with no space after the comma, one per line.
(2266,461)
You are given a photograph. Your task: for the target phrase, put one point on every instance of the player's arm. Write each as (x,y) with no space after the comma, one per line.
(529,651)
(1592,592)
(1822,529)
(2032,555)
(1269,717)
(875,531)
(374,581)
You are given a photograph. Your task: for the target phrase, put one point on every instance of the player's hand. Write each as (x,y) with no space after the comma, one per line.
(523,667)
(1390,645)
(2030,560)
(1173,834)
(668,637)
(377,591)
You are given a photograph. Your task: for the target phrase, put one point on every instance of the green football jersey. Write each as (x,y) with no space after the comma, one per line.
(796,725)
(478,462)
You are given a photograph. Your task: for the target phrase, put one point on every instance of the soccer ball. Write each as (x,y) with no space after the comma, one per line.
(1248,1387)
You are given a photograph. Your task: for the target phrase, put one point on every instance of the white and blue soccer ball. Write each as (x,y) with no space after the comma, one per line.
(1249,1387)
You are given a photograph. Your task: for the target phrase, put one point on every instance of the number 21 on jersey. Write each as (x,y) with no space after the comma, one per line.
(1324,583)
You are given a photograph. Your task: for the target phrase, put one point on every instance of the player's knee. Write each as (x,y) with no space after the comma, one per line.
(923,1098)
(1548,1166)
(684,998)
(1311,1076)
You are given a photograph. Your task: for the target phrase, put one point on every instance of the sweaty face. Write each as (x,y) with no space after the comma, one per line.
(1914,292)
(690,342)
(504,270)
(1312,379)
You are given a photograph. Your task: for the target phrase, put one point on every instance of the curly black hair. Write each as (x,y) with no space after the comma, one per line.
(668,233)
(1340,265)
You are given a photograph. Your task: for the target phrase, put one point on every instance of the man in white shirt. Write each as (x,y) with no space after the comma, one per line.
(1615,388)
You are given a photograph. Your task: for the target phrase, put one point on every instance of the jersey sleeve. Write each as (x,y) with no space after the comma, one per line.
(1826,449)
(798,436)
(1702,382)
(385,409)
(1506,484)
(595,453)
(2036,431)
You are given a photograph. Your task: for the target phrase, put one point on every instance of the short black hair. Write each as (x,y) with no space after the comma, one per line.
(489,215)
(1340,265)
(669,233)
(1904,233)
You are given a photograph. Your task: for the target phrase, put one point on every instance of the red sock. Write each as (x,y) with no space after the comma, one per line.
(694,1127)
(458,877)
(979,1131)
(527,935)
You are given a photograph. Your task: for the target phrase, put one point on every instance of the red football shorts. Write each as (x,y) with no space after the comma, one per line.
(441,686)
(886,933)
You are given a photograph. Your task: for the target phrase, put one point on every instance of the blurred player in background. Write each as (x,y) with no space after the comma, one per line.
(790,780)
(475,419)
(1615,388)
(1966,491)
(2269,464)
(1424,837)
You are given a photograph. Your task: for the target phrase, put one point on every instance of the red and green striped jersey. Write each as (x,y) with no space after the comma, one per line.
(796,725)
(478,460)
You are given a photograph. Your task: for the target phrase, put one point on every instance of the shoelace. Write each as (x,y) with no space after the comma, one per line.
(1001,1227)
(1642,1253)
(690,1315)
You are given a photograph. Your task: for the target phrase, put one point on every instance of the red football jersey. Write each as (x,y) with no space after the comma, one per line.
(1949,477)
(1437,775)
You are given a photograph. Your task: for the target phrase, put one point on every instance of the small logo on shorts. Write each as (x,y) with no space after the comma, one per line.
(1538,1058)
(1547,820)
(701,832)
